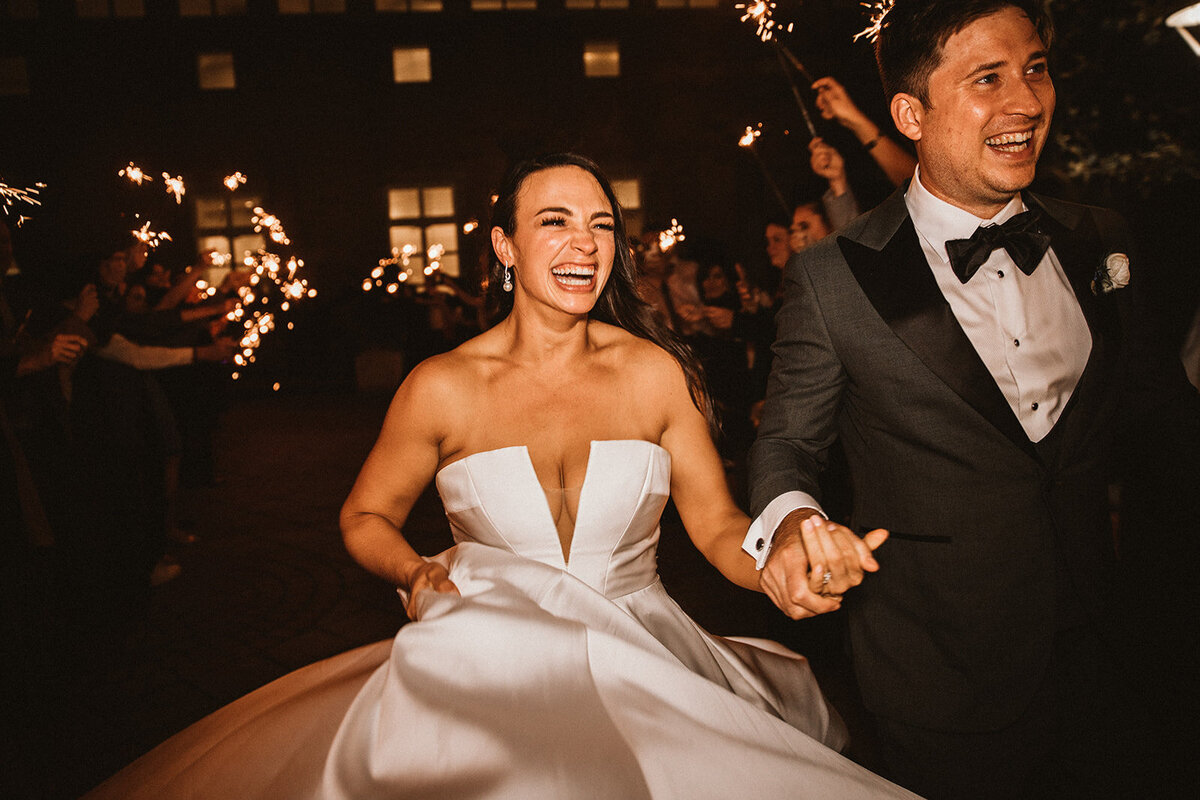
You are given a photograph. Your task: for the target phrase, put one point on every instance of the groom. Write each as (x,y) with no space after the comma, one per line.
(971,375)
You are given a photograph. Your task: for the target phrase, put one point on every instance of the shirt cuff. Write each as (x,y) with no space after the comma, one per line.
(757,543)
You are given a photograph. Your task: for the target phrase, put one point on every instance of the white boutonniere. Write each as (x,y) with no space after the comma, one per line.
(1112,275)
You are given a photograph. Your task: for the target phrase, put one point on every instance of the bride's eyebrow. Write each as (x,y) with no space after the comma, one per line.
(555,210)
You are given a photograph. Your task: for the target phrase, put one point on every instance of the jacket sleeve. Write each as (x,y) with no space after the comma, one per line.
(803,392)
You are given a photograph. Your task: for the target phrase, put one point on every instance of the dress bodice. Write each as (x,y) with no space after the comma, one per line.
(494,498)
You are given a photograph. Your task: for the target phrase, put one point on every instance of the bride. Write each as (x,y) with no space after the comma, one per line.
(545,659)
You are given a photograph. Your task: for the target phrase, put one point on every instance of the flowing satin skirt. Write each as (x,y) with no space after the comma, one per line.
(530,685)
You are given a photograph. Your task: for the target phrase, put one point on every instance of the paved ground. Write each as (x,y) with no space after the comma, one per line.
(268,588)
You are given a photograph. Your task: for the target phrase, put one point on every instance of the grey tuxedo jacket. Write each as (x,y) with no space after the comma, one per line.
(955,630)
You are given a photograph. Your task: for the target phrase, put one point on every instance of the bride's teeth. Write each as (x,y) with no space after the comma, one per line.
(574,276)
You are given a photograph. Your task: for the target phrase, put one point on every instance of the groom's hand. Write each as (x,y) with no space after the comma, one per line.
(814,561)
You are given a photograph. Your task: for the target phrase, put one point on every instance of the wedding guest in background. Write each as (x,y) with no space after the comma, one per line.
(835,103)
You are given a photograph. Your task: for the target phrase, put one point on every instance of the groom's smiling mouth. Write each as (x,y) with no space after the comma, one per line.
(1010,142)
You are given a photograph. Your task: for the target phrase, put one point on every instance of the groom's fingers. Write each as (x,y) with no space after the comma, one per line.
(784,579)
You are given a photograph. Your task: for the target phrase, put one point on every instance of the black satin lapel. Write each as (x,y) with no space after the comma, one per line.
(898,282)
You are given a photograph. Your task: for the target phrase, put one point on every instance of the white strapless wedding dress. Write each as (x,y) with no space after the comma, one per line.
(548,679)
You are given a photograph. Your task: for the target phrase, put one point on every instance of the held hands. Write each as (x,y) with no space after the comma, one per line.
(427,575)
(808,548)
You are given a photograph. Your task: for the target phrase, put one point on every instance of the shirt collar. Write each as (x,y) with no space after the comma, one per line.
(937,221)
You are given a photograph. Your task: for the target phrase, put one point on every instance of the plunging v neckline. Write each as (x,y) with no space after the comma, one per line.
(548,515)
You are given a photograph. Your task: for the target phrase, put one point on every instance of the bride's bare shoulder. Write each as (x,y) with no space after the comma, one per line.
(638,359)
(453,372)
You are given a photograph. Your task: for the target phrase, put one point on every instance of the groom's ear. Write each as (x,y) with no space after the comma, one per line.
(908,113)
(502,246)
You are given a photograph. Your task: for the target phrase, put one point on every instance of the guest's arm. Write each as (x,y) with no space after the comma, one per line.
(834,103)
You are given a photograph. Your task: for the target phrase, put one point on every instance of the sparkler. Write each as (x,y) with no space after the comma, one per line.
(876,13)
(12,195)
(761,14)
(232,182)
(401,260)
(270,271)
(747,142)
(174,186)
(134,173)
(262,220)
(152,239)
(752,133)
(673,235)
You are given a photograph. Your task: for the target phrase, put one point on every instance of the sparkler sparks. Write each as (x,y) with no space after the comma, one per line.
(12,195)
(262,220)
(232,182)
(761,13)
(134,173)
(876,14)
(671,236)
(174,186)
(401,262)
(152,239)
(751,134)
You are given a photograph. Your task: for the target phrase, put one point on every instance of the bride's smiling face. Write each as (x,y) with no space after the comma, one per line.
(562,245)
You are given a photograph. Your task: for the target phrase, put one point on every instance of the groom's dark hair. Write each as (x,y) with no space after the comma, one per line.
(912,33)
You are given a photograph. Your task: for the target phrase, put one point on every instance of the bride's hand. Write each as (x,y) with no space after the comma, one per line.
(429,575)
(804,549)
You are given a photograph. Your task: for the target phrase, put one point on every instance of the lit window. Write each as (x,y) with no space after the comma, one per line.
(628,192)
(224,224)
(411,65)
(209,8)
(503,5)
(14,77)
(422,217)
(408,5)
(215,71)
(22,9)
(602,59)
(312,6)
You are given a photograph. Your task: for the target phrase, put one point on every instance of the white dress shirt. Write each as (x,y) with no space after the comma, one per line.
(1028,330)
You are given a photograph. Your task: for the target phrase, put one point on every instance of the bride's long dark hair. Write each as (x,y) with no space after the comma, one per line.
(619,303)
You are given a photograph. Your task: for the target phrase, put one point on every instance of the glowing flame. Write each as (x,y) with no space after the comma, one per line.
(134,173)
(468,227)
(174,186)
(752,133)
(152,239)
(671,236)
(876,14)
(233,181)
(269,222)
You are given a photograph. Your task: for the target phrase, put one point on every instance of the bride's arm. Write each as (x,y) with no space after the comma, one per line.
(718,527)
(713,521)
(399,467)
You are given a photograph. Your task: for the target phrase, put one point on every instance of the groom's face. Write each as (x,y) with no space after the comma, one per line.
(987,114)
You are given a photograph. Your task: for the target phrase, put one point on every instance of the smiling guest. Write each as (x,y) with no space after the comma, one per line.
(963,340)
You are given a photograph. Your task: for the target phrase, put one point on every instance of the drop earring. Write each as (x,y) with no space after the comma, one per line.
(507,285)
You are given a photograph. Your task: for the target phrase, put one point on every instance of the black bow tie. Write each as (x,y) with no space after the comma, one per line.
(1019,236)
